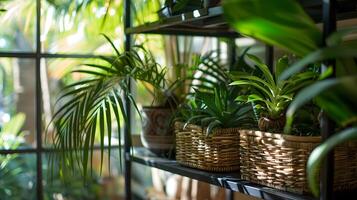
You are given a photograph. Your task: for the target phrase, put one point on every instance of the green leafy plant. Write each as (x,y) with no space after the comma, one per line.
(270,95)
(216,109)
(295,32)
(336,96)
(280,23)
(212,103)
(91,104)
(15,170)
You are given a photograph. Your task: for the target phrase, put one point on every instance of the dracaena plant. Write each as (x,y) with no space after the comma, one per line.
(270,95)
(91,104)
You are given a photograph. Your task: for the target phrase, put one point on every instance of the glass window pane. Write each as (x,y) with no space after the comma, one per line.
(145,11)
(20,23)
(101,185)
(56,75)
(68,30)
(17,95)
(18,176)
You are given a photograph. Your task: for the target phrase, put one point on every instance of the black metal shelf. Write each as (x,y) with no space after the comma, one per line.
(230,181)
(210,21)
(202,22)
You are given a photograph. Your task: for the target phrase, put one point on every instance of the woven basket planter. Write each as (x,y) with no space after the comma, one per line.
(279,161)
(218,152)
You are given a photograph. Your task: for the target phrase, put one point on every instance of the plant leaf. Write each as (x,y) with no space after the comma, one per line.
(319,153)
(281,23)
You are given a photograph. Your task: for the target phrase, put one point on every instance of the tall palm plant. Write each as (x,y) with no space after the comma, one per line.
(92,103)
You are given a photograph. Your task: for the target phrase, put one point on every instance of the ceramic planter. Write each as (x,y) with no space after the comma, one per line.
(157,135)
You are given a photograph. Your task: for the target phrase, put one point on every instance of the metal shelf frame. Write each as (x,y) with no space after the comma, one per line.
(210,22)
(231,181)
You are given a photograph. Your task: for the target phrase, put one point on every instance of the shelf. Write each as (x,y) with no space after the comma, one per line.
(202,22)
(210,21)
(227,180)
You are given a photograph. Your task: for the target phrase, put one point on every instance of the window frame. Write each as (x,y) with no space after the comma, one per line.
(37,55)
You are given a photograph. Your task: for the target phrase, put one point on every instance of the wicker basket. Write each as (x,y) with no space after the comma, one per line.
(279,161)
(218,152)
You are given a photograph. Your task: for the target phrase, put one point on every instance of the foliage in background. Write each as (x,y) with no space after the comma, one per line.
(18,171)
(15,172)
(1,8)
(270,95)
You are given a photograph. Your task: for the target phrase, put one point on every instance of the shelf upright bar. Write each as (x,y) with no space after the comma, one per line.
(327,125)
(269,57)
(38,99)
(232,52)
(127,131)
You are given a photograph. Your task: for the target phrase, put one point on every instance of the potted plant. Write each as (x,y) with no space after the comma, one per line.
(157,134)
(91,104)
(270,95)
(293,31)
(267,156)
(206,127)
(336,96)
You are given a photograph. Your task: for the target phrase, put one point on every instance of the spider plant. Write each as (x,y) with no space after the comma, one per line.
(270,95)
(91,104)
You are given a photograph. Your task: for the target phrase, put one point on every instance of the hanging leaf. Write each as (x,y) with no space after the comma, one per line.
(280,23)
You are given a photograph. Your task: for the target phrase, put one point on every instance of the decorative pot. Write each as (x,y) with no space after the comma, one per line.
(157,135)
(218,152)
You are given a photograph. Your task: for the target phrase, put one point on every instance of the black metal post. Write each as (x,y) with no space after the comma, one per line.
(269,57)
(229,195)
(327,125)
(127,134)
(38,103)
(232,53)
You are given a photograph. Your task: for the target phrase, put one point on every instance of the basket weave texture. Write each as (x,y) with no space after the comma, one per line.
(279,161)
(218,152)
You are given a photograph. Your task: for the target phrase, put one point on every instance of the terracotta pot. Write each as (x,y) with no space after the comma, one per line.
(157,135)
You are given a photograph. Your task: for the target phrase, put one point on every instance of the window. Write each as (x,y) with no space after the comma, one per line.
(43,40)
